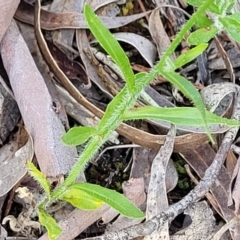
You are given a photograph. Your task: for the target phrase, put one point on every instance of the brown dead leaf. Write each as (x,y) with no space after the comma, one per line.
(13,163)
(52,21)
(73,70)
(175,17)
(64,37)
(226,59)
(231,162)
(200,159)
(158,33)
(234,196)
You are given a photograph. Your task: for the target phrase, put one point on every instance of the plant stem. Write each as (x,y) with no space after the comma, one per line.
(110,122)
(188,25)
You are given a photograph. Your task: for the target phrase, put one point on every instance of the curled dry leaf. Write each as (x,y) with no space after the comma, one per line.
(145,47)
(158,32)
(52,21)
(213,94)
(13,165)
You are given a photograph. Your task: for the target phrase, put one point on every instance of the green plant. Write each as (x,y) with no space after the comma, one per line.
(89,196)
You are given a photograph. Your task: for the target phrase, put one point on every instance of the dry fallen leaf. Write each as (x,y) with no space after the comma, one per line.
(36,106)
(7,10)
(157,200)
(13,164)
(52,20)
(145,47)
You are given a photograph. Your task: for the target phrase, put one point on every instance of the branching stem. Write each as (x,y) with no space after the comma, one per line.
(127,98)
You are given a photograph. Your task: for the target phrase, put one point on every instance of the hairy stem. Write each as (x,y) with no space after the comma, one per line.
(127,99)
(182,33)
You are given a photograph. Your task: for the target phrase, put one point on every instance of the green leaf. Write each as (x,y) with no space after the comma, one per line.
(202,35)
(78,135)
(110,45)
(189,91)
(54,231)
(139,75)
(80,199)
(232,26)
(169,65)
(235,16)
(112,198)
(203,21)
(188,116)
(224,6)
(212,7)
(39,177)
(190,55)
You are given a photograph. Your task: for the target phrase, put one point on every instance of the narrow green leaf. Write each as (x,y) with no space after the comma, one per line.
(80,199)
(232,26)
(202,35)
(112,198)
(54,231)
(189,91)
(110,44)
(78,135)
(190,55)
(188,116)
(39,177)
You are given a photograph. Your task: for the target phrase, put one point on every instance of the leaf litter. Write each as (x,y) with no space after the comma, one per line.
(190,146)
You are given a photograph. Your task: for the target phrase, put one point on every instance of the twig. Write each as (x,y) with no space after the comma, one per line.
(208,195)
(197,193)
(143,9)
